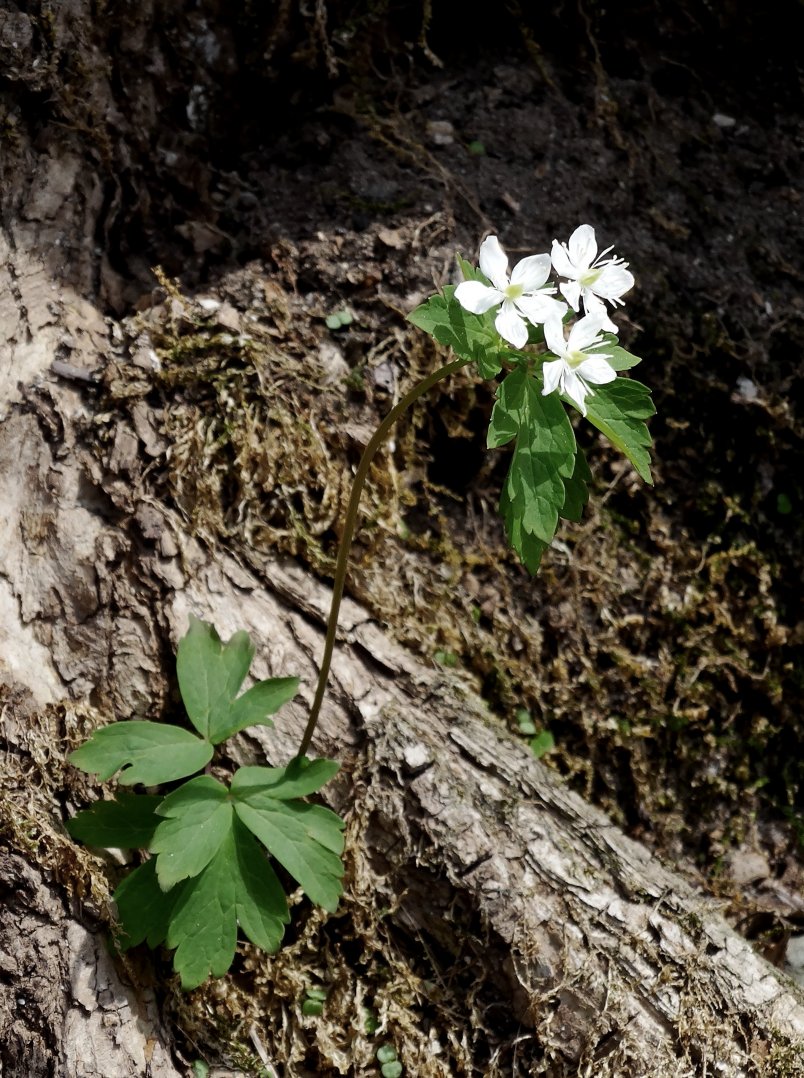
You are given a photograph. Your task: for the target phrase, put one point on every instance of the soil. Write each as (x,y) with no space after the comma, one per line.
(338,162)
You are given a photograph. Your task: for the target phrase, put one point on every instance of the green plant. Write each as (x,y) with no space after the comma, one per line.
(209,873)
(212,844)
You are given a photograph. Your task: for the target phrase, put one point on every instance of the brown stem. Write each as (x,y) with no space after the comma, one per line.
(349,526)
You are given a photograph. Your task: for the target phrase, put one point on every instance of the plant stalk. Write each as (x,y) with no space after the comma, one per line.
(349,525)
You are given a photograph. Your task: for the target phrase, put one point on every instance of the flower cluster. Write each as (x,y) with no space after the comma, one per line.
(591,281)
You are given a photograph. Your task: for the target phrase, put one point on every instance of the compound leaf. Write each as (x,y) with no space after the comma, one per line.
(544,457)
(198,820)
(146,752)
(619,411)
(306,839)
(128,821)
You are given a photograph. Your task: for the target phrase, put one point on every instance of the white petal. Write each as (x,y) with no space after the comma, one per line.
(585,332)
(531,272)
(510,326)
(477,297)
(583,246)
(494,262)
(595,369)
(539,308)
(554,336)
(575,389)
(551,373)
(561,260)
(613,282)
(593,305)
(571,291)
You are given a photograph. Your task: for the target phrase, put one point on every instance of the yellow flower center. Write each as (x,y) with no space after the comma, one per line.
(514,291)
(575,359)
(586,280)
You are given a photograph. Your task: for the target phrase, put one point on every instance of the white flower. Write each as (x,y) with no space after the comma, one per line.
(522,296)
(575,367)
(591,277)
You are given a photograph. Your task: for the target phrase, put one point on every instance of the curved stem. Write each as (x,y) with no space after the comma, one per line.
(350,523)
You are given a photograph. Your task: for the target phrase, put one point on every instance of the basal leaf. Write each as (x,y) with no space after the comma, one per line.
(210,673)
(470,336)
(146,752)
(128,821)
(534,491)
(197,819)
(252,708)
(143,908)
(238,886)
(619,411)
(305,839)
(300,778)
(576,491)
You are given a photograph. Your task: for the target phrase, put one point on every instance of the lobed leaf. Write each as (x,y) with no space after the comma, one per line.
(619,411)
(252,708)
(200,916)
(306,839)
(300,778)
(470,336)
(198,821)
(237,887)
(544,457)
(128,821)
(146,752)
(210,675)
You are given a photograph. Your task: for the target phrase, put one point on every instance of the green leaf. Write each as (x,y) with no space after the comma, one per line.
(619,359)
(470,336)
(619,411)
(146,752)
(252,708)
(143,908)
(198,821)
(128,821)
(542,744)
(576,491)
(300,778)
(210,674)
(534,491)
(238,886)
(305,839)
